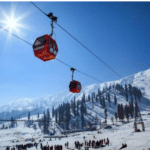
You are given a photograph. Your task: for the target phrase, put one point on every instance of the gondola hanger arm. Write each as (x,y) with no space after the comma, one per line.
(53,18)
(72,69)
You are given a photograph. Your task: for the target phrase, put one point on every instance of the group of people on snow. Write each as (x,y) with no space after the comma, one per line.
(93,143)
(98,143)
(47,147)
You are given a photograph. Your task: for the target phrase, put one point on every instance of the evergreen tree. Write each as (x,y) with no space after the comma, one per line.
(44,122)
(56,115)
(3,126)
(78,108)
(115,99)
(119,111)
(97,98)
(53,111)
(104,102)
(92,98)
(131,99)
(82,120)
(29,115)
(48,114)
(99,92)
(126,96)
(100,100)
(130,89)
(89,98)
(68,116)
(43,112)
(126,112)
(61,113)
(116,115)
(122,113)
(136,110)
(106,96)
(82,108)
(94,95)
(82,114)
(131,109)
(74,106)
(83,98)
(47,119)
(109,88)
(85,110)
(126,89)
(113,86)
(38,115)
(119,87)
(103,90)
(139,95)
(105,111)
(40,123)
(12,122)
(109,100)
(135,95)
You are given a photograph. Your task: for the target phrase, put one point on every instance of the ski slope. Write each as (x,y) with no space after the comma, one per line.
(120,133)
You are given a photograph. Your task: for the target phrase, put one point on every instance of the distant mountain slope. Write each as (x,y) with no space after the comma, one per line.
(21,107)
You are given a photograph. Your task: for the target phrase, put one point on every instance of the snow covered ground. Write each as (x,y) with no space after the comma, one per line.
(120,133)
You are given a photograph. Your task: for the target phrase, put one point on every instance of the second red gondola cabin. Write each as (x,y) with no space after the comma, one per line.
(45,48)
(75,86)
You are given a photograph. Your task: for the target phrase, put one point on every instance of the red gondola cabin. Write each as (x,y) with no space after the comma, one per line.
(45,48)
(75,86)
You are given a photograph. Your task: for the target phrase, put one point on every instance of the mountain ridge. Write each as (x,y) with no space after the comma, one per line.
(140,79)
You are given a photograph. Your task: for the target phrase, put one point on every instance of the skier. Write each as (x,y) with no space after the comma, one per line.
(108,141)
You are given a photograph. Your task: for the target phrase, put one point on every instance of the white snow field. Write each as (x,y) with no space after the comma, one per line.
(120,133)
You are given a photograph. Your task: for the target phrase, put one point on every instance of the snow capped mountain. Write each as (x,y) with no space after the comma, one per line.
(22,106)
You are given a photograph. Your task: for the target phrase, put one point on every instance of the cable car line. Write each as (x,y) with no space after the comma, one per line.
(56,58)
(38,8)
(16,36)
(80,43)
(80,71)
(31,120)
(35,120)
(25,120)
(89,51)
(60,60)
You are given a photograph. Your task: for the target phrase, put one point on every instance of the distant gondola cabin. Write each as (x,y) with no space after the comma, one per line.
(75,86)
(45,48)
